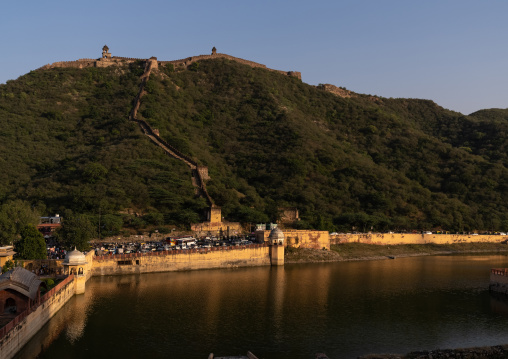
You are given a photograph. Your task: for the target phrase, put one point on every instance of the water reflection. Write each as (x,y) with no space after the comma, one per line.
(499,304)
(342,309)
(70,320)
(76,318)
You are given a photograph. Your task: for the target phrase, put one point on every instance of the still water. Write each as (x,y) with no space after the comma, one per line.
(341,309)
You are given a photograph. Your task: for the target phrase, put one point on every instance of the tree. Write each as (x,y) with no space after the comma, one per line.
(14,216)
(8,266)
(111,225)
(31,245)
(94,172)
(76,231)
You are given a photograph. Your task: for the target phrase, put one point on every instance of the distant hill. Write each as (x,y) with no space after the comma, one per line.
(351,162)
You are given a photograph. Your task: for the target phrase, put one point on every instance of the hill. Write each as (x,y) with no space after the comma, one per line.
(269,140)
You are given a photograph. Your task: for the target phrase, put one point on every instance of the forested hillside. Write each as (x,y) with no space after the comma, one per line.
(269,141)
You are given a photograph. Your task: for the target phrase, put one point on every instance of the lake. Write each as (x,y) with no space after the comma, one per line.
(343,309)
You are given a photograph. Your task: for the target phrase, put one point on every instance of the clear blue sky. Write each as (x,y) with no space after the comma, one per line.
(451,51)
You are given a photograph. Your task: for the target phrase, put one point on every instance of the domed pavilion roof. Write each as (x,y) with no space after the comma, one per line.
(75,258)
(276,235)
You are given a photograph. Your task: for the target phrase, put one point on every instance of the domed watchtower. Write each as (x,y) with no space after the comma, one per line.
(74,263)
(276,237)
(276,241)
(105,52)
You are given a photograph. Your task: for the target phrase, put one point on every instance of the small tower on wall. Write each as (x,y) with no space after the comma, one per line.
(75,263)
(214,51)
(105,52)
(276,242)
(203,172)
(214,214)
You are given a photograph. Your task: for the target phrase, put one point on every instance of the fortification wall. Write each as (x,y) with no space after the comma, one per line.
(214,227)
(115,60)
(190,60)
(199,181)
(25,328)
(299,238)
(307,239)
(410,238)
(90,257)
(84,63)
(170,261)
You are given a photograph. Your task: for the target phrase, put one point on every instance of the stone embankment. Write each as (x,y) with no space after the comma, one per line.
(494,352)
(368,252)
(414,238)
(18,332)
(183,260)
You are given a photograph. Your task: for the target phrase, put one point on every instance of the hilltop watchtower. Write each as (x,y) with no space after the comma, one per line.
(105,52)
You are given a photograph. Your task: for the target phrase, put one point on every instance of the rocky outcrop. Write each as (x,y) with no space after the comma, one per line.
(341,92)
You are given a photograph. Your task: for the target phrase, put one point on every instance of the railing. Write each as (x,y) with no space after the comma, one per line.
(56,288)
(174,252)
(19,318)
(8,327)
(499,271)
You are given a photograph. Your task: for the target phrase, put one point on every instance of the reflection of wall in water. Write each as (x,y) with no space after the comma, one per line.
(276,294)
(499,304)
(311,293)
(71,318)
(76,318)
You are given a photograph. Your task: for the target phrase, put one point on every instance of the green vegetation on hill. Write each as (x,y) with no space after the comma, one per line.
(67,146)
(269,141)
(363,162)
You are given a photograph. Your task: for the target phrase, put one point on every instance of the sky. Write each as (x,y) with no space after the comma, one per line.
(450,51)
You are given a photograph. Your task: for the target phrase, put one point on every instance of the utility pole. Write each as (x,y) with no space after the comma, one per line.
(99,223)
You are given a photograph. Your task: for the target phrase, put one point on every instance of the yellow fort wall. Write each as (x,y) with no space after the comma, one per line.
(307,239)
(411,238)
(298,238)
(254,255)
(215,227)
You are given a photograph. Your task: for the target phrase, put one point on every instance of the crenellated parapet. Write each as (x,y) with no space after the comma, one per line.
(85,63)
(107,60)
(184,63)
